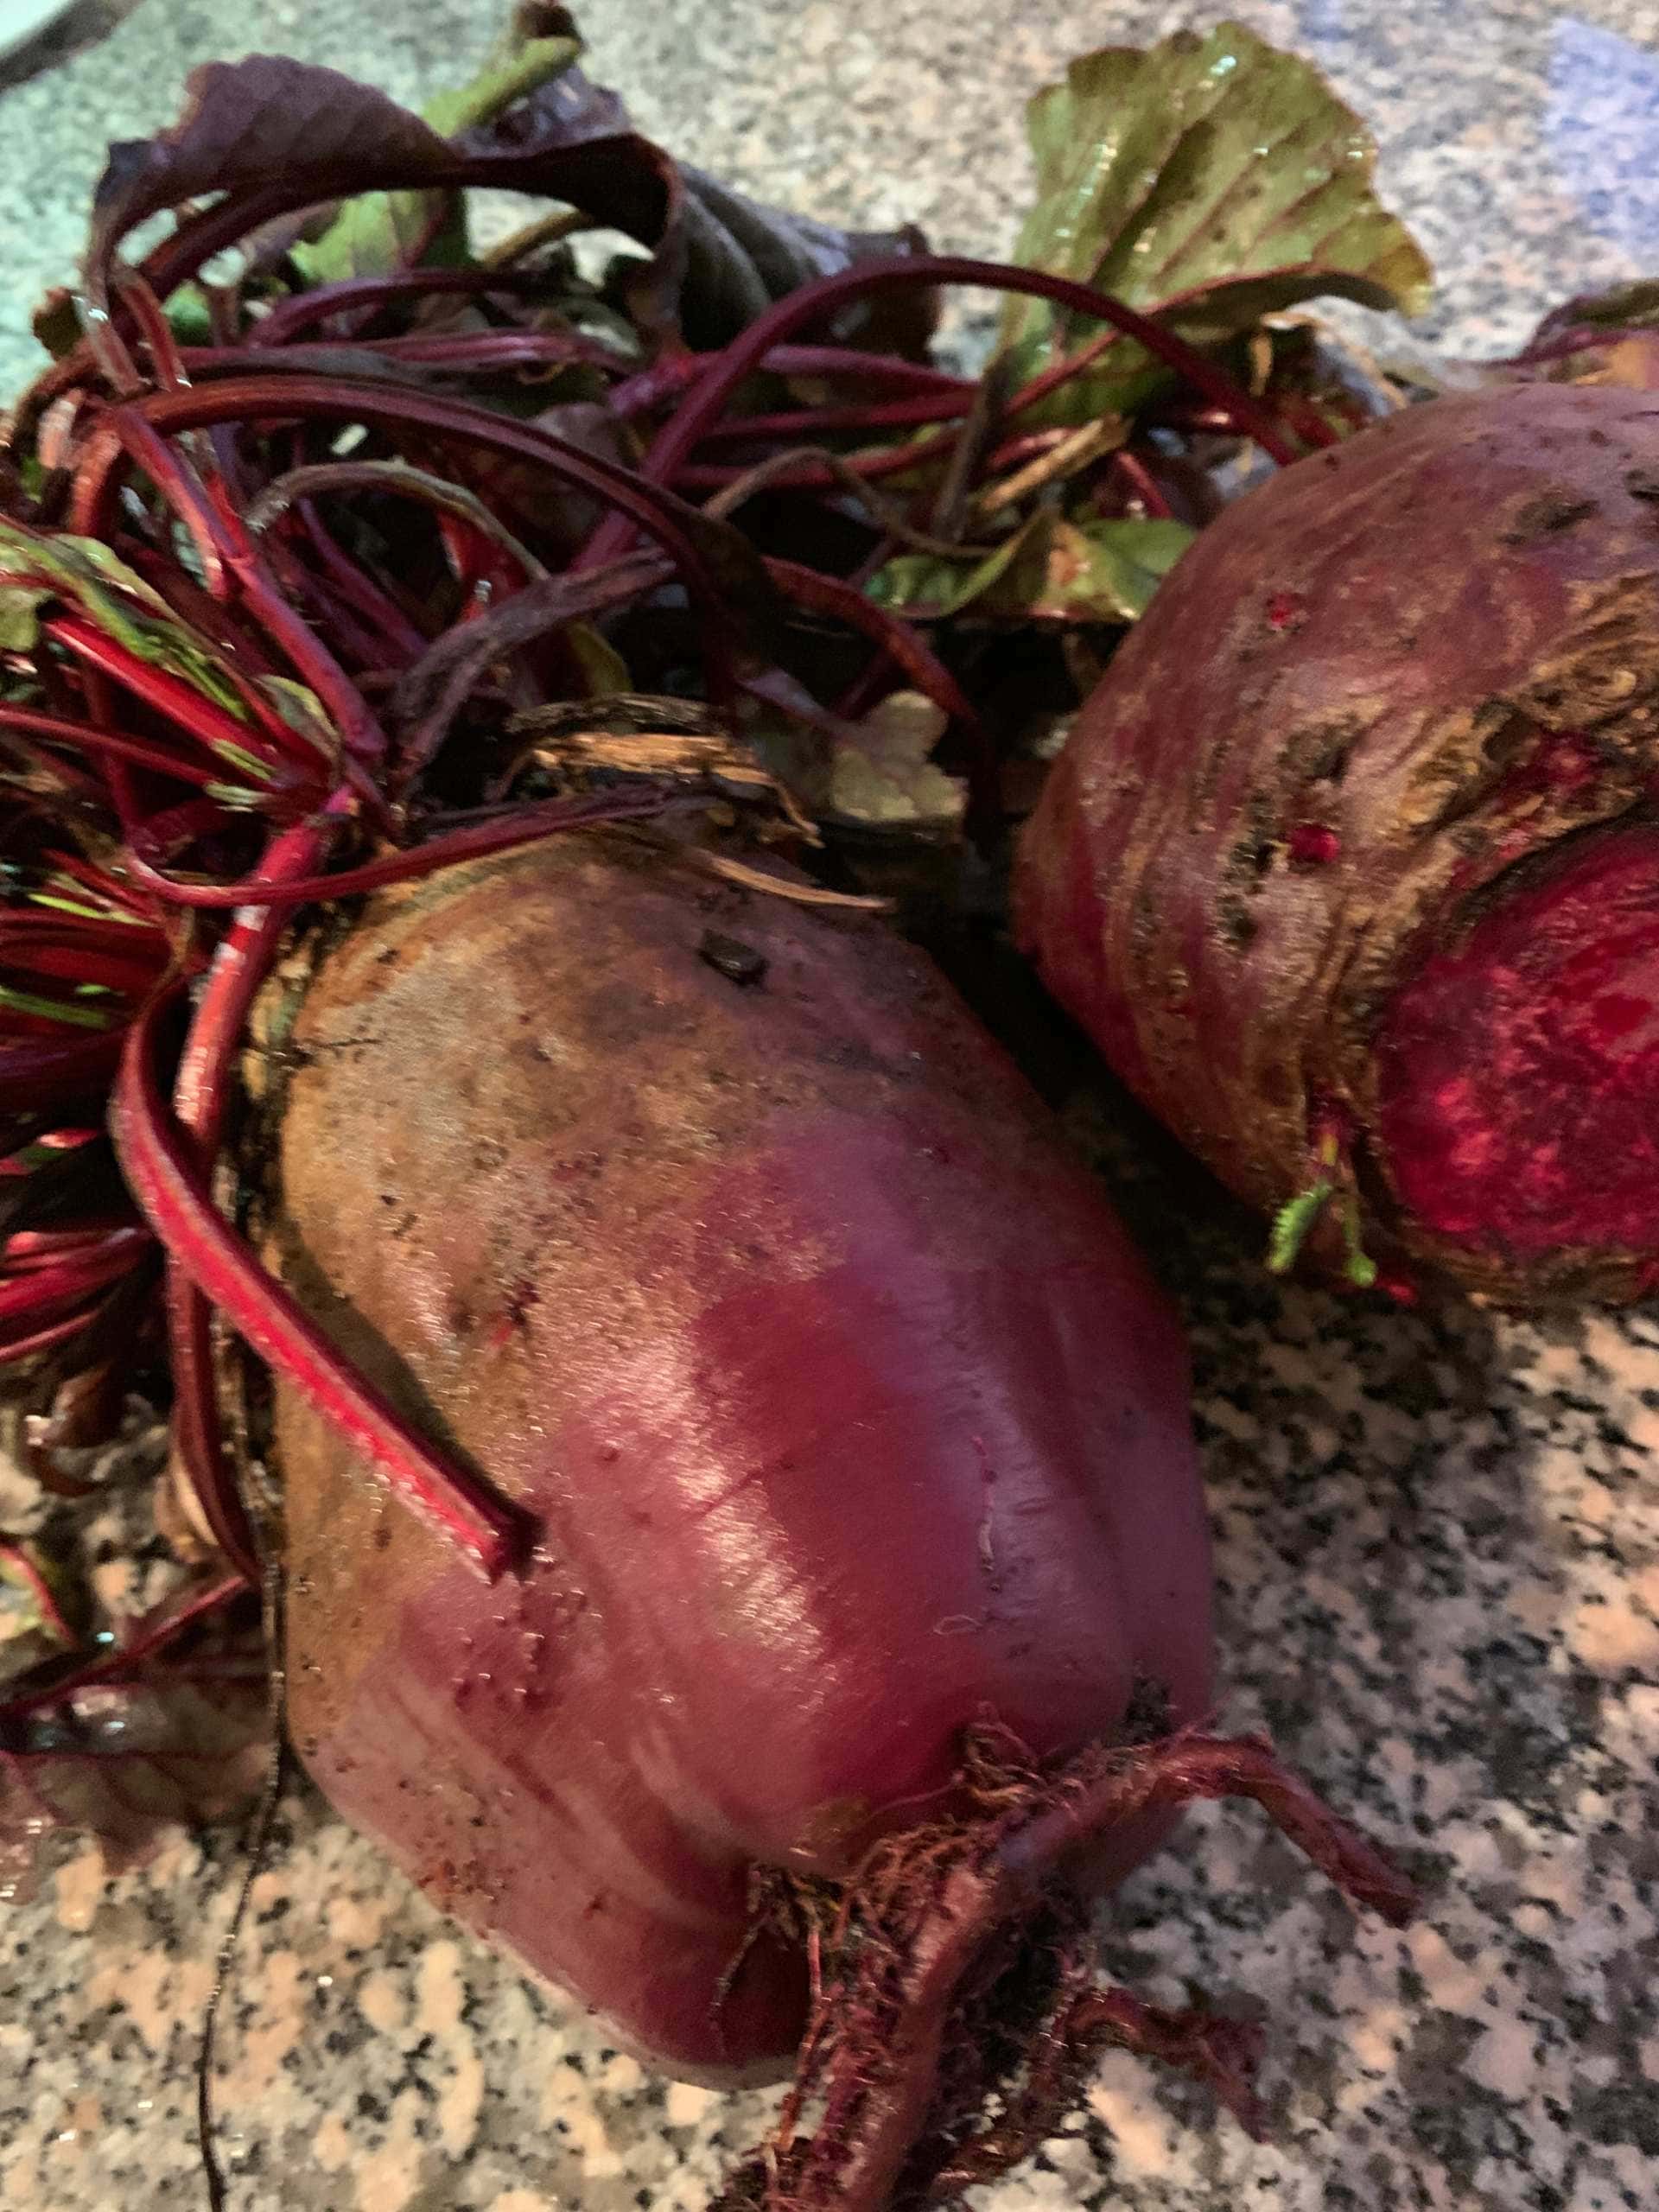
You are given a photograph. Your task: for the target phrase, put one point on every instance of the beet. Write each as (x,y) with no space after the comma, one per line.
(1349,864)
(858,1443)
(825,1371)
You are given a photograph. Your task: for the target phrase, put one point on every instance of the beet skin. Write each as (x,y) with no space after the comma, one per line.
(849,1419)
(1350,864)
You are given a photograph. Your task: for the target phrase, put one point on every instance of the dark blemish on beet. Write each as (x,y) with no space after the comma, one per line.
(1546,513)
(729,956)
(1238,926)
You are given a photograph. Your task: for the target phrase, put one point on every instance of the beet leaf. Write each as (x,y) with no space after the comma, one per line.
(1211,176)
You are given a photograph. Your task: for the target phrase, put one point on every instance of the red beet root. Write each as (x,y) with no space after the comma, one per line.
(822,1369)
(871,1597)
(1519,1068)
(1350,867)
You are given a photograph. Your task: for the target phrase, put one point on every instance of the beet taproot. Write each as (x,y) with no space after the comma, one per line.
(1351,866)
(869,1614)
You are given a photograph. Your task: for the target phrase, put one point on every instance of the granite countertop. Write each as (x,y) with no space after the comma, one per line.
(1438,1536)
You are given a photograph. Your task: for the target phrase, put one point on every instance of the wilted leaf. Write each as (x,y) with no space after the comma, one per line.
(1213,176)
(429,695)
(885,777)
(741,256)
(717,259)
(1628,358)
(1599,337)
(56,322)
(308,136)
(1319,379)
(572,141)
(385,230)
(558,516)
(126,1760)
(293,137)
(248,123)
(1634,306)
(126,1767)
(1050,570)
(87,1405)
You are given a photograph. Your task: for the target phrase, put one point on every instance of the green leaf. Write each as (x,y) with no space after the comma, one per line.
(20,616)
(48,1009)
(83,573)
(518,67)
(926,583)
(1050,570)
(300,708)
(90,913)
(187,313)
(385,230)
(78,563)
(1093,572)
(1211,176)
(1294,1223)
(1359,1268)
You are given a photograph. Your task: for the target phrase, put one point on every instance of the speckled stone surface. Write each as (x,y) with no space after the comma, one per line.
(1523,142)
(1438,1537)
